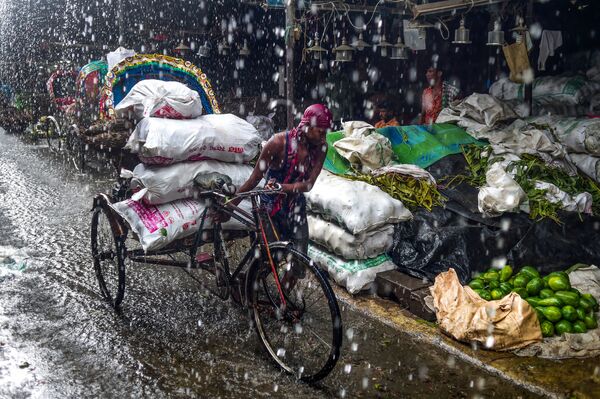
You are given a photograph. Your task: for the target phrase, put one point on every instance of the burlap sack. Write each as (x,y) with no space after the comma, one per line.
(517,59)
(505,324)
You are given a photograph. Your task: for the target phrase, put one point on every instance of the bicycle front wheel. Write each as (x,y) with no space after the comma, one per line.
(296,314)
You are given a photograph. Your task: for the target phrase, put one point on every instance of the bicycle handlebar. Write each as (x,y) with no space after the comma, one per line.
(276,190)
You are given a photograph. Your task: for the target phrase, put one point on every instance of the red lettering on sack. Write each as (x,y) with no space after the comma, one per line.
(237,150)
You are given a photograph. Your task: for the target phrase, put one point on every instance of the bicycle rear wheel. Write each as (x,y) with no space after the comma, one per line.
(302,332)
(108,255)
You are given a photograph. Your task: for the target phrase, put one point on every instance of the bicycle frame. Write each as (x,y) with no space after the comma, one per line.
(251,221)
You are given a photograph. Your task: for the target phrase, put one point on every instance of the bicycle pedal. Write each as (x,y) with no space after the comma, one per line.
(204,257)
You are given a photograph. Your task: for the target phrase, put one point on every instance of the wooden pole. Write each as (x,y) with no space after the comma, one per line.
(290,16)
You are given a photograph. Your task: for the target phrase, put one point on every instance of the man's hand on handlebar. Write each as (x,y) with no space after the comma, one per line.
(222,217)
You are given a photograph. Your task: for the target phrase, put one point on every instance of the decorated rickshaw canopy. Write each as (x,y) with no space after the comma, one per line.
(61,88)
(121,79)
(91,77)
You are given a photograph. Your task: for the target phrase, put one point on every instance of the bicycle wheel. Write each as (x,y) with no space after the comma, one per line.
(304,334)
(108,254)
(220,282)
(53,134)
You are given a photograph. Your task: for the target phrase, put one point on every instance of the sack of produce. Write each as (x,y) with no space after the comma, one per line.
(504,324)
(222,137)
(160,99)
(562,89)
(578,135)
(354,275)
(264,125)
(336,239)
(160,184)
(158,225)
(587,164)
(354,205)
(363,147)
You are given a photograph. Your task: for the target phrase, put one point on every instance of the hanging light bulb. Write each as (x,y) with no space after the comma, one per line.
(224,47)
(245,51)
(343,52)
(461,35)
(496,36)
(399,50)
(204,50)
(383,45)
(316,49)
(360,44)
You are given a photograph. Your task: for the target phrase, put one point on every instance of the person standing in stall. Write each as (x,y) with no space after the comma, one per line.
(438,95)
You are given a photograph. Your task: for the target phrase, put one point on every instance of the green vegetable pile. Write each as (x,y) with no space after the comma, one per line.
(414,193)
(527,171)
(559,307)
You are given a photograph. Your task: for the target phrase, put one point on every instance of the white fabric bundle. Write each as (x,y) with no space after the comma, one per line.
(161,99)
(222,137)
(357,206)
(501,194)
(158,225)
(158,185)
(355,275)
(363,147)
(361,246)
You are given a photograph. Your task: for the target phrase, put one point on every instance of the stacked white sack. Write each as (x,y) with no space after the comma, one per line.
(353,225)
(337,240)
(357,206)
(159,185)
(223,137)
(158,225)
(161,99)
(161,210)
(354,275)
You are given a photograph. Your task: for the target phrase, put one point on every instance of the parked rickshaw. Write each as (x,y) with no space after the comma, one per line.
(62,92)
(290,302)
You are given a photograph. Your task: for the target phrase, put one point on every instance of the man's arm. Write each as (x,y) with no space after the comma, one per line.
(271,153)
(307,185)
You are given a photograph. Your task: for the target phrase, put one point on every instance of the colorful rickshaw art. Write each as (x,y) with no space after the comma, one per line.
(131,70)
(61,88)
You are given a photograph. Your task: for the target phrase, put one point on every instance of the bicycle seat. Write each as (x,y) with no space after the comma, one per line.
(215,181)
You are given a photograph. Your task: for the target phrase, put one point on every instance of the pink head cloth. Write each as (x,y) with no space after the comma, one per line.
(317,115)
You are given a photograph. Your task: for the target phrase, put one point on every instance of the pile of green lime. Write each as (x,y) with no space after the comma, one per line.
(559,307)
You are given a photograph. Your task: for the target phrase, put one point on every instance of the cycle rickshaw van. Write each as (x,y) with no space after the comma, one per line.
(297,319)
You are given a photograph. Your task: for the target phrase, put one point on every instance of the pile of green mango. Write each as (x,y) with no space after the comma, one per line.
(560,308)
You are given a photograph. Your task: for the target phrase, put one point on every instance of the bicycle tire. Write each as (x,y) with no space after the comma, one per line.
(53,135)
(107,259)
(221,285)
(262,313)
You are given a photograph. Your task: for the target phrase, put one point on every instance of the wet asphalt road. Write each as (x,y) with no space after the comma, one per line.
(59,339)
